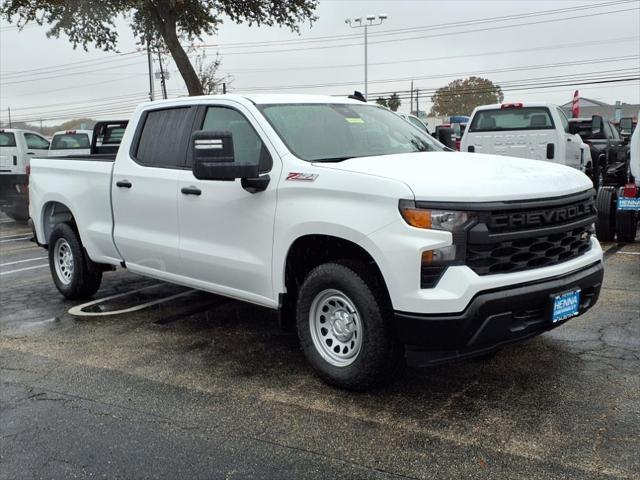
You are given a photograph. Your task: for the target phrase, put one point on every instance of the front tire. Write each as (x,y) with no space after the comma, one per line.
(345,326)
(74,274)
(606,207)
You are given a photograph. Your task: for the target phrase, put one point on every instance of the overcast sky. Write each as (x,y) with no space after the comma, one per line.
(580,44)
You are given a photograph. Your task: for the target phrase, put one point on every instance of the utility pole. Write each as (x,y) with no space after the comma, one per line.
(368,22)
(224,87)
(9,110)
(162,82)
(417,102)
(411,102)
(150,64)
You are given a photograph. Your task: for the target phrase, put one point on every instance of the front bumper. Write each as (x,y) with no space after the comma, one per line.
(493,318)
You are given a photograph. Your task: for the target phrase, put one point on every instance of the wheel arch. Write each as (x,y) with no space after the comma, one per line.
(53,213)
(310,250)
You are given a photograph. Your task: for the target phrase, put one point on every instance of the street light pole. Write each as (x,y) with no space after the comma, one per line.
(369,21)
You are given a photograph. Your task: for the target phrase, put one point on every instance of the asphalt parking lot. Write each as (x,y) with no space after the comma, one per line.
(202,387)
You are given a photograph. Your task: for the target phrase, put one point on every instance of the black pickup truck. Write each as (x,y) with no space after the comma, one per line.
(609,152)
(107,136)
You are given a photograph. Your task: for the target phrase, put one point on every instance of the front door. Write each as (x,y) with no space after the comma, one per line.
(226,233)
(145,190)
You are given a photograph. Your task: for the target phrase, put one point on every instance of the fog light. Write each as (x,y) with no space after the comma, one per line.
(439,255)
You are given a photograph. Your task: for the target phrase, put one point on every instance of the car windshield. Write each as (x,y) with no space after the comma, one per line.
(70,141)
(335,132)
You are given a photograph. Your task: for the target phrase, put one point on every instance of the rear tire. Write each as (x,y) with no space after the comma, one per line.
(626,225)
(345,326)
(606,206)
(74,274)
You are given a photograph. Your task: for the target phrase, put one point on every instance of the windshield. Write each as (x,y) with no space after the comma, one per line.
(334,132)
(70,141)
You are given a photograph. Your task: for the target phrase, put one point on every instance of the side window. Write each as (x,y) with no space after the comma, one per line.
(247,146)
(36,141)
(607,130)
(563,120)
(163,142)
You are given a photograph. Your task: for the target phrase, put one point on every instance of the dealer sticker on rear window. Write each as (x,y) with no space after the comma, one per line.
(628,203)
(565,306)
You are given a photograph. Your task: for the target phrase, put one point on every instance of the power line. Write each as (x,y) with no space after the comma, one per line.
(420,37)
(445,75)
(398,31)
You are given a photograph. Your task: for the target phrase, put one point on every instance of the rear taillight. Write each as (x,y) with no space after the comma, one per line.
(630,190)
(28,170)
(511,105)
(458,145)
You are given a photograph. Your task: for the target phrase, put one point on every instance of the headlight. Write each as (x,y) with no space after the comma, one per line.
(449,220)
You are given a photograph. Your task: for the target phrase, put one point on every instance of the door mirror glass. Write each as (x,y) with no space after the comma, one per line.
(626,125)
(596,125)
(574,127)
(447,136)
(214,158)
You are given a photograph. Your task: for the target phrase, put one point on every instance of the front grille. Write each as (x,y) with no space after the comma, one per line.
(519,237)
(530,252)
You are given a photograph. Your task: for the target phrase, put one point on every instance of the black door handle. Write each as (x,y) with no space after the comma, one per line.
(191,191)
(123,184)
(30,153)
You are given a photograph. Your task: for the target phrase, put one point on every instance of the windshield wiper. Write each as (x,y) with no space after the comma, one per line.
(332,160)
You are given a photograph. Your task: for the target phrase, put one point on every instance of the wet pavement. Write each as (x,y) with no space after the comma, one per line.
(200,386)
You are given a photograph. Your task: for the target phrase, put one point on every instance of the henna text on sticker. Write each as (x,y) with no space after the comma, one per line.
(302,177)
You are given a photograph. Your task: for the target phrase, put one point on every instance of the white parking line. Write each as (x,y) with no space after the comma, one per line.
(15,239)
(23,269)
(78,309)
(15,235)
(629,253)
(22,261)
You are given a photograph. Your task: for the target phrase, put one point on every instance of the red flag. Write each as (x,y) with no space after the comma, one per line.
(575,107)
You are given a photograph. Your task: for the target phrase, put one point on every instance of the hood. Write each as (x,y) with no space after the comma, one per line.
(473,177)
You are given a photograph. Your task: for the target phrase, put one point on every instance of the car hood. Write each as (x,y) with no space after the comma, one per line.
(462,177)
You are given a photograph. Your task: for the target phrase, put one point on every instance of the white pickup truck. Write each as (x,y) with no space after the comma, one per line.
(71,142)
(341,215)
(17,148)
(535,130)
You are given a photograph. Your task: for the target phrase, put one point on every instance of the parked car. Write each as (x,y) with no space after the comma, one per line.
(609,152)
(539,131)
(415,121)
(71,142)
(371,237)
(17,147)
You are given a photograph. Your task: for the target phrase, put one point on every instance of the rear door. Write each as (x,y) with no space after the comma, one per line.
(144,191)
(36,146)
(515,131)
(226,233)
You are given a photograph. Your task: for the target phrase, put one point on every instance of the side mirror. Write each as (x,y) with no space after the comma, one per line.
(626,125)
(213,157)
(447,136)
(596,125)
(574,128)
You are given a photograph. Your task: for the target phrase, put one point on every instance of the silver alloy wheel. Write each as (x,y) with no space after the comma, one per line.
(63,261)
(336,327)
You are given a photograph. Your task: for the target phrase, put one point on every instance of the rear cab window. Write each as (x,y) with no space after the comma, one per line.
(70,141)
(7,139)
(516,118)
(162,141)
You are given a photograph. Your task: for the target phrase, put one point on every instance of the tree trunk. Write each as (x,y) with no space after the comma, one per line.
(166,23)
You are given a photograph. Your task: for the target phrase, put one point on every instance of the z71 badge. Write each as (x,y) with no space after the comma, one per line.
(302,177)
